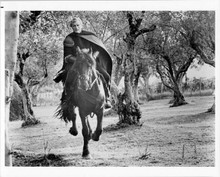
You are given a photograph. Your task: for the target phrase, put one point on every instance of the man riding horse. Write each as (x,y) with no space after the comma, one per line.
(85,40)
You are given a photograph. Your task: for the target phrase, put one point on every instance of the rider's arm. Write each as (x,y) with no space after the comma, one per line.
(68,45)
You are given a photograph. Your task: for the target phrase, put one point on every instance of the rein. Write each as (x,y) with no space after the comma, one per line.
(88,95)
(82,78)
(93,82)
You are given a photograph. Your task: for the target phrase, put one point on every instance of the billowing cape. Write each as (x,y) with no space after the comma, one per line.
(106,59)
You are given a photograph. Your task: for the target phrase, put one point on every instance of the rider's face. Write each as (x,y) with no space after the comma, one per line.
(77,27)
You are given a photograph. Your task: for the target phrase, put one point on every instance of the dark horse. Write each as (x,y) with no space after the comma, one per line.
(83,89)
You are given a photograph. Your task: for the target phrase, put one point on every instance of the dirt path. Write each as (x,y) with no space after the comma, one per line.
(182,136)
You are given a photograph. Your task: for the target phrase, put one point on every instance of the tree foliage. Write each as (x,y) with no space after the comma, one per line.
(198,28)
(175,46)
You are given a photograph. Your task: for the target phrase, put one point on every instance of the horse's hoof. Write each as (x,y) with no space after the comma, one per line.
(87,157)
(73,131)
(95,137)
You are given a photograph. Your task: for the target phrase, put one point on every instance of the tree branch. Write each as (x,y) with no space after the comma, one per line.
(146,30)
(105,28)
(118,59)
(21,59)
(161,76)
(138,22)
(19,80)
(198,48)
(185,67)
(170,70)
(130,18)
(115,34)
(212,44)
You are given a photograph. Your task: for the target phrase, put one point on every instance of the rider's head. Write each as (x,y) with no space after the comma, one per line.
(76,24)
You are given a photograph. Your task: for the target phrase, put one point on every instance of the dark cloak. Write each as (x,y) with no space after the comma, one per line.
(85,39)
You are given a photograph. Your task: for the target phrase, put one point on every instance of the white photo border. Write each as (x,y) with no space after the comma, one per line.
(174,5)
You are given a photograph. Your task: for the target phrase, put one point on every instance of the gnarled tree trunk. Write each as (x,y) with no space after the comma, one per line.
(128,108)
(11,40)
(117,74)
(29,117)
(136,81)
(117,70)
(178,98)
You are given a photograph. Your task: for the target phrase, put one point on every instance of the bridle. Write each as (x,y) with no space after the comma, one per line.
(83,78)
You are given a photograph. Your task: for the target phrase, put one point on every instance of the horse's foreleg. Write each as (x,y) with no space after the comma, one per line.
(98,131)
(86,137)
(73,130)
(89,128)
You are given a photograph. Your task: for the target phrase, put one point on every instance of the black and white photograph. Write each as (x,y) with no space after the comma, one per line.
(106,84)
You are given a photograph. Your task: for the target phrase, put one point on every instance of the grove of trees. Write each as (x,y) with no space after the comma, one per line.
(142,44)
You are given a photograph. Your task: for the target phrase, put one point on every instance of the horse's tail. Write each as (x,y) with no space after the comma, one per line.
(65,108)
(63,111)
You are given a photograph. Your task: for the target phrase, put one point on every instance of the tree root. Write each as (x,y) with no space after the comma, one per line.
(30,122)
(212,109)
(180,103)
(129,113)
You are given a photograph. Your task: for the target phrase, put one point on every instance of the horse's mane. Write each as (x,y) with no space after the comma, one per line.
(85,56)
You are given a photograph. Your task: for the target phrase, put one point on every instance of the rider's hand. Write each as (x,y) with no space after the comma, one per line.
(70,59)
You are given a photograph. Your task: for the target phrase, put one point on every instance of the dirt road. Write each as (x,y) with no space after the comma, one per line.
(180,136)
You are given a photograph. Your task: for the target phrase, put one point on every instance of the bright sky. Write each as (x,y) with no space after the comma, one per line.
(204,71)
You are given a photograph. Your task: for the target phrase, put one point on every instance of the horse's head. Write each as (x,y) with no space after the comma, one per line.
(85,66)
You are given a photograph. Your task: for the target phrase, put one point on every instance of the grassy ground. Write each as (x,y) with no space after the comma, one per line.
(180,136)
